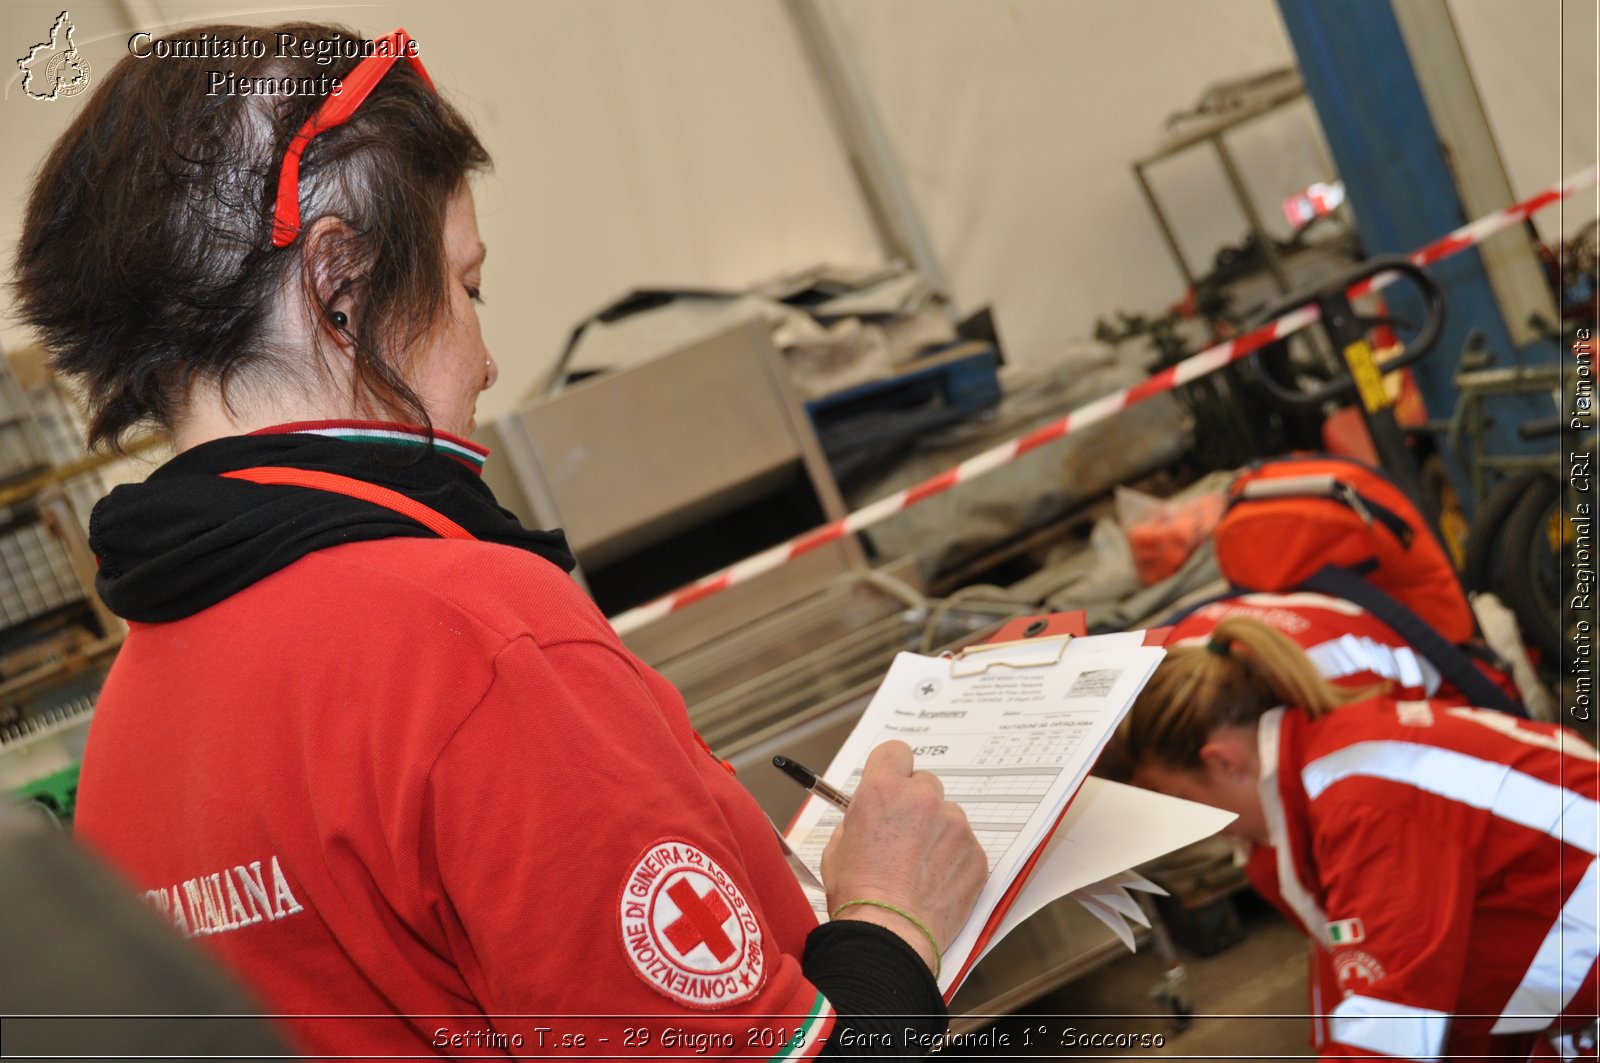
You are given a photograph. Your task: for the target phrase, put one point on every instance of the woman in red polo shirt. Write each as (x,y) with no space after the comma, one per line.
(366,739)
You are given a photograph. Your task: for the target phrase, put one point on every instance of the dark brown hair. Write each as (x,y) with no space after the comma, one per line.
(146,260)
(1244,670)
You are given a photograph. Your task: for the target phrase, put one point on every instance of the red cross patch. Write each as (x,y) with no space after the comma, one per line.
(687,929)
(1357,970)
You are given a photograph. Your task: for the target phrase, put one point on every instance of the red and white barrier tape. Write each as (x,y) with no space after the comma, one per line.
(1192,368)
(1474,233)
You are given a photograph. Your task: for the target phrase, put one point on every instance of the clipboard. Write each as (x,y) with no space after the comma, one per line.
(919,694)
(1032,642)
(1026,642)
(1017,644)
(1073,622)
(1015,653)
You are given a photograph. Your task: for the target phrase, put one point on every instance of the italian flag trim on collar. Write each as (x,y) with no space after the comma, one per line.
(465,451)
(809,1037)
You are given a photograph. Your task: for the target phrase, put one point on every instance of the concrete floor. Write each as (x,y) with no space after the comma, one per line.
(1249,1003)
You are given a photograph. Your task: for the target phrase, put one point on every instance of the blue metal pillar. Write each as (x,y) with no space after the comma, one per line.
(1359,76)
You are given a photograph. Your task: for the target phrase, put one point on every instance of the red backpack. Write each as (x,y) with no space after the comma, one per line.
(1334,525)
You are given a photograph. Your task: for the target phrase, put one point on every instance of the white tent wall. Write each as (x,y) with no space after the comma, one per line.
(1017,122)
(1535,65)
(685,142)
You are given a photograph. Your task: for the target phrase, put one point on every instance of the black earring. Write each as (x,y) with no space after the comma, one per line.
(339,319)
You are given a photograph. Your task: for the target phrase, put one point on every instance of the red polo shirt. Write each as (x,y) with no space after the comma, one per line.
(422,782)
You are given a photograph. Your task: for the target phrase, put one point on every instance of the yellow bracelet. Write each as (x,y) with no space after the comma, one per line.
(938,957)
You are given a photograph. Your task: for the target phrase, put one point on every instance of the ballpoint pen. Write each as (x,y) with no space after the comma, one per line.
(813,782)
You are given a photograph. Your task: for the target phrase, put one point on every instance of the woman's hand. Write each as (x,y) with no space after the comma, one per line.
(902,843)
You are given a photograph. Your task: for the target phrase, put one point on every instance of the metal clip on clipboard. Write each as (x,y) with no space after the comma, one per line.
(1020,653)
(1023,642)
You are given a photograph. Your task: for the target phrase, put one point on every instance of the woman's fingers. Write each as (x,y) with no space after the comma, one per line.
(904,846)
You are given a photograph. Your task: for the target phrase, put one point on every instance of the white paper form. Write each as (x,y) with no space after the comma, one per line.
(1010,744)
(1109,828)
(1112,904)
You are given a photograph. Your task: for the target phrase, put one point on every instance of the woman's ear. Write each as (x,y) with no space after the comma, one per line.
(1224,757)
(329,271)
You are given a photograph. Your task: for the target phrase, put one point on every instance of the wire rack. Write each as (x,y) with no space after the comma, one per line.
(38,429)
(35,575)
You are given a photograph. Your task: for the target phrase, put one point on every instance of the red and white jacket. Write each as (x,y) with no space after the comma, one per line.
(1446,857)
(1348,645)
(1353,649)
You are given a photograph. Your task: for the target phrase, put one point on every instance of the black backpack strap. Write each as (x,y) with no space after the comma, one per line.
(1452,662)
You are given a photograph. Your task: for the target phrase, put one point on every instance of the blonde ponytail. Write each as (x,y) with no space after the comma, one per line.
(1244,669)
